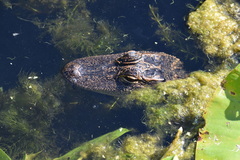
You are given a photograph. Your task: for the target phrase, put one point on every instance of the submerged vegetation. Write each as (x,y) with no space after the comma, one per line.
(73,29)
(26,113)
(172,37)
(77,33)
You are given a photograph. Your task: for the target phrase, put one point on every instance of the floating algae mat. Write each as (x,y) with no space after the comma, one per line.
(216,29)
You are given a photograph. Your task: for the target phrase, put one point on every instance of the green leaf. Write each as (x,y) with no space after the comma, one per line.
(31,156)
(105,139)
(168,158)
(231,85)
(3,155)
(175,147)
(220,137)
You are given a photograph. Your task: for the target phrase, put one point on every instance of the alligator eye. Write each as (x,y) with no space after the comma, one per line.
(130,57)
(129,79)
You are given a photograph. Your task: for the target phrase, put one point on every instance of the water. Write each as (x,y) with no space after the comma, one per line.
(84,114)
(22,51)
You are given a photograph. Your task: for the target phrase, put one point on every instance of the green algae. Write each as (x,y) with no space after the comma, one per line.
(216,29)
(80,35)
(178,103)
(4,156)
(41,6)
(98,144)
(177,100)
(73,29)
(142,147)
(26,114)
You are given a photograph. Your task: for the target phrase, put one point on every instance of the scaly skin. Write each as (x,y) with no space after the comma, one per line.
(107,74)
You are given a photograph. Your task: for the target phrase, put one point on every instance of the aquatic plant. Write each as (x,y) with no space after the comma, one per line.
(72,27)
(172,37)
(75,31)
(221,126)
(79,35)
(177,99)
(178,103)
(219,137)
(40,6)
(144,147)
(85,150)
(3,155)
(100,145)
(26,113)
(218,32)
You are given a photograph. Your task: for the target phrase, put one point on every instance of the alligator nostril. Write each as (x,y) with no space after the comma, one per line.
(71,71)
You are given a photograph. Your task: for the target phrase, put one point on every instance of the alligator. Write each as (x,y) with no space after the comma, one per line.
(118,74)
